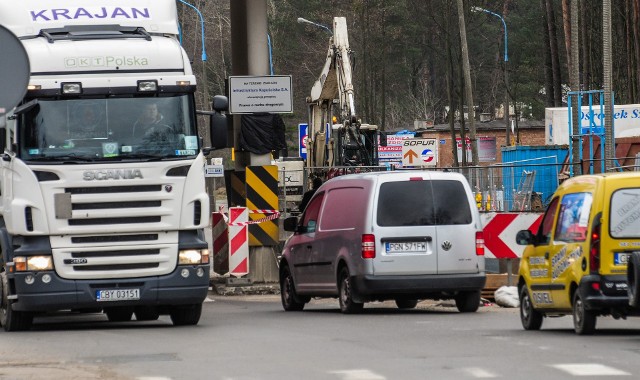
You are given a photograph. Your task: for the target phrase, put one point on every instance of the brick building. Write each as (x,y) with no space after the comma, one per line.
(490,135)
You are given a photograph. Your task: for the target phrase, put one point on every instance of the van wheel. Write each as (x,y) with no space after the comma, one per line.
(468,302)
(186,315)
(288,295)
(119,314)
(12,320)
(531,318)
(633,273)
(347,304)
(584,321)
(406,304)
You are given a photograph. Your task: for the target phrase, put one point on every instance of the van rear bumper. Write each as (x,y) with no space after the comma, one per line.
(423,286)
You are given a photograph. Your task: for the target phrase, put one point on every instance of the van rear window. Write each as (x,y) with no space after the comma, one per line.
(625,214)
(423,203)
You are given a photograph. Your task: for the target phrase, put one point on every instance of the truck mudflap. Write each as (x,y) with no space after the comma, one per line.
(46,291)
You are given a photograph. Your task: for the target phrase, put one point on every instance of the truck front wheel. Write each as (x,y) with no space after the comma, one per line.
(12,320)
(186,315)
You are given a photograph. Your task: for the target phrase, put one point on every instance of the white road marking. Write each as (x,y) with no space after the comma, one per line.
(480,373)
(358,374)
(590,370)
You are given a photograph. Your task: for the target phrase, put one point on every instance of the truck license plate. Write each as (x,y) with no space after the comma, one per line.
(117,295)
(414,246)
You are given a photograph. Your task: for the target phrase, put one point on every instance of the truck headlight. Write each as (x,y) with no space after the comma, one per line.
(33,263)
(193,256)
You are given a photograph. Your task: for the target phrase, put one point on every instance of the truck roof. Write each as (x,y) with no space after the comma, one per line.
(28,17)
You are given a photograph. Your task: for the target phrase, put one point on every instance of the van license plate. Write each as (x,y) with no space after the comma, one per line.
(621,258)
(117,295)
(413,246)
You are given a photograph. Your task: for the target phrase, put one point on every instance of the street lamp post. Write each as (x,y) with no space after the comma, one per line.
(305,21)
(506,72)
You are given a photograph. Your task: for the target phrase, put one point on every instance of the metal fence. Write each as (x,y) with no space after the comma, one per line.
(522,186)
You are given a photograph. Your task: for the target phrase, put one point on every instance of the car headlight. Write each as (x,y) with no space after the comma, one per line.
(193,256)
(33,263)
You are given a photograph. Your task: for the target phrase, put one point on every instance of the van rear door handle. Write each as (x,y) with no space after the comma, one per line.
(546,255)
(308,247)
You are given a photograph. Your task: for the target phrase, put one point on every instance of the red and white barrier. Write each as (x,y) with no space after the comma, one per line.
(220,244)
(500,231)
(238,241)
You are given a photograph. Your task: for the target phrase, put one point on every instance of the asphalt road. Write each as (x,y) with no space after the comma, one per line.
(250,337)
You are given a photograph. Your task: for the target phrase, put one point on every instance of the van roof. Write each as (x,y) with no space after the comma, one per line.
(401,175)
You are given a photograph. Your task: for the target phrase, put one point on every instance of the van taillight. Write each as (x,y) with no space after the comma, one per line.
(479,243)
(594,251)
(368,246)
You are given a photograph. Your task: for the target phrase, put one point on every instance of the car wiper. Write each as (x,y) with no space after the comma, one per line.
(145,156)
(65,159)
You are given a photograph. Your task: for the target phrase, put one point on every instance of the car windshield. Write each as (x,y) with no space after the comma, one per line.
(108,129)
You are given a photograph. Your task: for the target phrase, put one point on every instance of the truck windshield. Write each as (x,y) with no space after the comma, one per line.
(109,129)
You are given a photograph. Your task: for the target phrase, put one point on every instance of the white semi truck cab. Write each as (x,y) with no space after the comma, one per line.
(103,201)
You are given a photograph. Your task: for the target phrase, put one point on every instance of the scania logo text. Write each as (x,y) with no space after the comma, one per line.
(103,175)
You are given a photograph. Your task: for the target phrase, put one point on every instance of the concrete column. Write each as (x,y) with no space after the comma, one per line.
(250,56)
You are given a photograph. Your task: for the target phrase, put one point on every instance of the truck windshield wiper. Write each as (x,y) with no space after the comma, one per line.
(66,159)
(145,156)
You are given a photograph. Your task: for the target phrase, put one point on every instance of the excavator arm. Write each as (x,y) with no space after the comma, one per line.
(347,145)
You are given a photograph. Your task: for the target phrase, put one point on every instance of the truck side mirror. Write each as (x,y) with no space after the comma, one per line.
(218,122)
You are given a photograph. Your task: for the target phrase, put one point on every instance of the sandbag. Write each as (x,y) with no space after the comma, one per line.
(507,296)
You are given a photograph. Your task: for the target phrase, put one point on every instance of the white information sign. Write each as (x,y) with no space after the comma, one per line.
(214,171)
(255,94)
(420,152)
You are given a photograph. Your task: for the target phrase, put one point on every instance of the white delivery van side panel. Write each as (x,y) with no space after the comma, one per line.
(28,17)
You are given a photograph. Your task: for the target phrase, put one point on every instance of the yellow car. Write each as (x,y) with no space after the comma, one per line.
(576,263)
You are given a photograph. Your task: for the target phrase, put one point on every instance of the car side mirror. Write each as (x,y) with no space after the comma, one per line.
(290,224)
(525,237)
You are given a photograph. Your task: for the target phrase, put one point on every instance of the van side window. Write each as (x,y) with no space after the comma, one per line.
(310,217)
(343,208)
(546,226)
(573,217)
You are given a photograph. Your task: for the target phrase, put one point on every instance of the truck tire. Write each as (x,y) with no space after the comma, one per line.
(633,273)
(12,320)
(530,318)
(290,299)
(584,321)
(187,315)
(468,302)
(347,304)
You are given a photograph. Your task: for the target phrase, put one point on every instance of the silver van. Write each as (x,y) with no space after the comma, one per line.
(402,235)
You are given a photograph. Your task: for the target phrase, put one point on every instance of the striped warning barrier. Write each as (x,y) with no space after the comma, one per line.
(220,240)
(262,193)
(238,241)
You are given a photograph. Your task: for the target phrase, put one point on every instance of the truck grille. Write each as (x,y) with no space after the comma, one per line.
(118,206)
